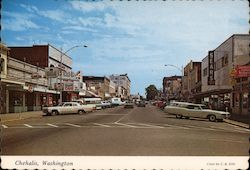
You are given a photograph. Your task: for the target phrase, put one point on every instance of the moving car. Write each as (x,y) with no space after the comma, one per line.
(184,109)
(129,105)
(67,107)
(141,104)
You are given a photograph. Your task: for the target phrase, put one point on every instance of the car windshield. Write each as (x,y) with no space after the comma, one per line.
(204,107)
(60,104)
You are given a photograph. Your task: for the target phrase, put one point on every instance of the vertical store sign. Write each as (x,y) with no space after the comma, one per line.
(211,80)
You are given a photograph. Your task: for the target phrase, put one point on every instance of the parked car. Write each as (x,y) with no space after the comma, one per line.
(91,102)
(116,101)
(104,104)
(141,104)
(67,107)
(184,109)
(129,105)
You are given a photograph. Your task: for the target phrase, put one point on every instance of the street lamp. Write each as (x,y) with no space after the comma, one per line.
(61,88)
(180,69)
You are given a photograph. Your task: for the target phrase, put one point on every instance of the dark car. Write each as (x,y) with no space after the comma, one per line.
(129,105)
(141,104)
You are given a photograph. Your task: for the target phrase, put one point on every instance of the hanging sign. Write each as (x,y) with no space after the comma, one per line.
(211,80)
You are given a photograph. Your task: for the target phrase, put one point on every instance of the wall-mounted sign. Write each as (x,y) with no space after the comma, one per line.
(51,72)
(36,76)
(243,71)
(210,80)
(68,86)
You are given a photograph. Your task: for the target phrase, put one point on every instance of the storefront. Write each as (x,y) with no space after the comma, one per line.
(240,103)
(216,99)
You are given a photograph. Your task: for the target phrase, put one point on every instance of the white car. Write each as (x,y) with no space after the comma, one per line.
(104,104)
(67,107)
(183,109)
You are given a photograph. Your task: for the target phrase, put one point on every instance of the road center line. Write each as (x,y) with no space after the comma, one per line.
(4,126)
(51,125)
(101,125)
(28,125)
(69,124)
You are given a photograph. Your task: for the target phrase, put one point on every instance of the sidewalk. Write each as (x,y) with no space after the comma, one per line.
(239,120)
(17,116)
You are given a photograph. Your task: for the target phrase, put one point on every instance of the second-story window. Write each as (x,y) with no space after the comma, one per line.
(205,72)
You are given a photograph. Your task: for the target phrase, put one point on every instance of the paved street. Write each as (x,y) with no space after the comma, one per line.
(128,132)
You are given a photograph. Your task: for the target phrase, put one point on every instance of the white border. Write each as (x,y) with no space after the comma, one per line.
(125,162)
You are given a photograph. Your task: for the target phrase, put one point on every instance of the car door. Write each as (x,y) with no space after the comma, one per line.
(197,112)
(67,108)
(189,111)
(74,108)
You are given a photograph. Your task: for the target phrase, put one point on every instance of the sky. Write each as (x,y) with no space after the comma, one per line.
(134,37)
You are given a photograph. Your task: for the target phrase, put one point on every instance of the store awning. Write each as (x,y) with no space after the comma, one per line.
(211,92)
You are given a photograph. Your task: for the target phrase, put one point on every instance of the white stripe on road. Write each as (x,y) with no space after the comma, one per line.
(107,114)
(199,127)
(101,125)
(69,124)
(179,127)
(125,125)
(124,116)
(51,125)
(29,126)
(4,126)
(153,126)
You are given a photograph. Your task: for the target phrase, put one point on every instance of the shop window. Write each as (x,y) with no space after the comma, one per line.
(245,100)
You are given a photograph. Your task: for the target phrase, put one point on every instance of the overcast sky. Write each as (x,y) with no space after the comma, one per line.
(134,37)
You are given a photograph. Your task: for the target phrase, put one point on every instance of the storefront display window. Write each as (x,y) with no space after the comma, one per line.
(245,100)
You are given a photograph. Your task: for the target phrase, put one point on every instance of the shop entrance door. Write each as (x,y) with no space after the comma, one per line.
(30,100)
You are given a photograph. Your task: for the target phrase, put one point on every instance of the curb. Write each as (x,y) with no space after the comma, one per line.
(232,122)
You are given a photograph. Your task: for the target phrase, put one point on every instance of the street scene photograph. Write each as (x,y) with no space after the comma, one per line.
(130,84)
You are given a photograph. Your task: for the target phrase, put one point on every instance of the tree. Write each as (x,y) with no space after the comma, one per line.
(151,92)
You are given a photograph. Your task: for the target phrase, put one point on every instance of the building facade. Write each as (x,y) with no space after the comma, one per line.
(172,88)
(191,82)
(98,85)
(122,82)
(57,65)
(220,87)
(24,87)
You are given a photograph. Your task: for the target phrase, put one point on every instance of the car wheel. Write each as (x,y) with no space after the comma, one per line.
(54,112)
(80,112)
(212,118)
(178,116)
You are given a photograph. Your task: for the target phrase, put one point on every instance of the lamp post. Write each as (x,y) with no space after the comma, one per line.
(64,53)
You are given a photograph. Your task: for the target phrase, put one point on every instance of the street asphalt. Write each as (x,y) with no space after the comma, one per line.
(122,132)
